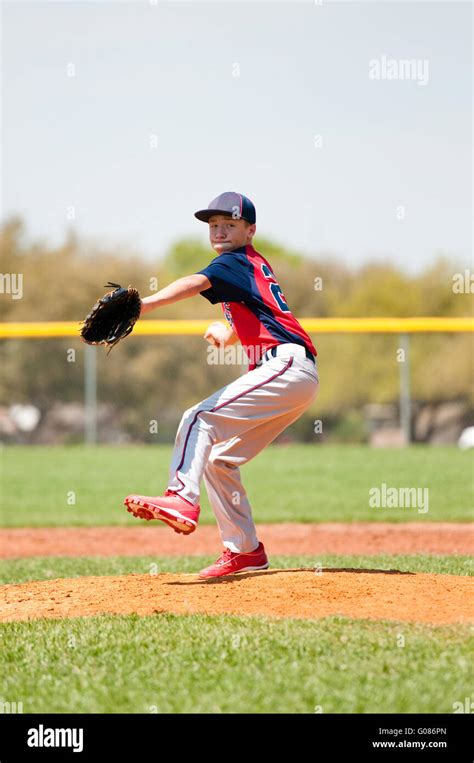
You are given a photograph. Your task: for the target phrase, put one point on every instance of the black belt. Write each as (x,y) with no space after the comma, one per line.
(308,353)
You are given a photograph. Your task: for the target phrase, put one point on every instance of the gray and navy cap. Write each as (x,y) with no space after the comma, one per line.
(229,203)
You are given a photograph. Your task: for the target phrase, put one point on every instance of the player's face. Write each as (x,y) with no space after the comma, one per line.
(226,234)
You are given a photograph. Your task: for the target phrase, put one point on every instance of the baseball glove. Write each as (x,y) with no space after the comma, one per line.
(113,317)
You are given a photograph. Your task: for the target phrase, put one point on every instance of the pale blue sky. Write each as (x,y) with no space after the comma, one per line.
(166,69)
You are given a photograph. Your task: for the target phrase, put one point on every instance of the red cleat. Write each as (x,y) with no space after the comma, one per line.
(230,563)
(170,508)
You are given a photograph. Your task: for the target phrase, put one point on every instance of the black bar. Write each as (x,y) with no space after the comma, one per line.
(313,737)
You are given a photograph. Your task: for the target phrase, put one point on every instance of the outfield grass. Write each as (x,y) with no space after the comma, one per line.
(198,664)
(75,485)
(46,568)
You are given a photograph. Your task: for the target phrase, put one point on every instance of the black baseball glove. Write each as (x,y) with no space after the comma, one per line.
(113,317)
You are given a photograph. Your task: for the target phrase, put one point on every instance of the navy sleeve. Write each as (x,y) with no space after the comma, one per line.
(229,277)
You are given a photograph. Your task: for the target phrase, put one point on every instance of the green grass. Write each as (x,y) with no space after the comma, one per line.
(196,663)
(46,568)
(60,486)
(199,664)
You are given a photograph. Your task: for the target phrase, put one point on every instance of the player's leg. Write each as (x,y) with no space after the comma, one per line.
(225,490)
(279,388)
(242,550)
(230,504)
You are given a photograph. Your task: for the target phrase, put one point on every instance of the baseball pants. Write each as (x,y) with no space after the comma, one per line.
(223,432)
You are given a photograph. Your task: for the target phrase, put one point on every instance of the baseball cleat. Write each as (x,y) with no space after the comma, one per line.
(170,508)
(230,563)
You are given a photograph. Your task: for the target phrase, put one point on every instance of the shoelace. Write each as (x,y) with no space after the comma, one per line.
(226,556)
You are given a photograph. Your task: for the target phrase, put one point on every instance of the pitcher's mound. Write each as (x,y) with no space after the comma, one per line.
(297,593)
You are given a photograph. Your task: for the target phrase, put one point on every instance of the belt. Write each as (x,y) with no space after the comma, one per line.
(296,349)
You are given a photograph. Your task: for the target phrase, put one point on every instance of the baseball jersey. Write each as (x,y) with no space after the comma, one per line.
(252,302)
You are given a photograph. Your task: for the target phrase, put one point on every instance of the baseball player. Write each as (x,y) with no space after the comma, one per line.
(219,434)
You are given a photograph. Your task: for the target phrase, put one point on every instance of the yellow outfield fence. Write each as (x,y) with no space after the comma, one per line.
(404,327)
(50,329)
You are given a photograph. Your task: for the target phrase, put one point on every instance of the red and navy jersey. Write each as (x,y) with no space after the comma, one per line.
(253,302)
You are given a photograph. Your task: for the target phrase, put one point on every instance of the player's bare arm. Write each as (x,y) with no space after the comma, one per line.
(185,287)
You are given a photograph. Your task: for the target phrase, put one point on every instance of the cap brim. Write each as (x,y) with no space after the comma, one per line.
(205,214)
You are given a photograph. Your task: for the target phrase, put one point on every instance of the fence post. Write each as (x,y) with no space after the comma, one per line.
(405,401)
(90,393)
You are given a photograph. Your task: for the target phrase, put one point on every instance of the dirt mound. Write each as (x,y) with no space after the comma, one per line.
(333,538)
(295,593)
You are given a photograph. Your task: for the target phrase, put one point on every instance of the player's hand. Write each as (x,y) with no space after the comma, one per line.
(217,334)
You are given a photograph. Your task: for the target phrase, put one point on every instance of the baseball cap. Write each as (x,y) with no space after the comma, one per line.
(229,203)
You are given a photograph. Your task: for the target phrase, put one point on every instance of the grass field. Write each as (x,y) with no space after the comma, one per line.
(197,663)
(45,568)
(171,664)
(76,486)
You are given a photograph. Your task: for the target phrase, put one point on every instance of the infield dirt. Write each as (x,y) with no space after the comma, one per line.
(295,593)
(363,538)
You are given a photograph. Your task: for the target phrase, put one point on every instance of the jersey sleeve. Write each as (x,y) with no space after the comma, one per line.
(229,279)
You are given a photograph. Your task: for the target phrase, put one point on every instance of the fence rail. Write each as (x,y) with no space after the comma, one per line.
(401,326)
(48,329)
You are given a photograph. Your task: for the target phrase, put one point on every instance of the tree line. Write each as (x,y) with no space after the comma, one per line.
(157,377)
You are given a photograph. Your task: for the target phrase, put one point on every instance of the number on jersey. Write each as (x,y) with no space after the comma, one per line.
(275,289)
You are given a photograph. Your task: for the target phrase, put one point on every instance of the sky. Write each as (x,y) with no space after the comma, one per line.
(121,119)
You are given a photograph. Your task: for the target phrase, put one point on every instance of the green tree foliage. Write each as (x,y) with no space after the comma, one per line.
(157,377)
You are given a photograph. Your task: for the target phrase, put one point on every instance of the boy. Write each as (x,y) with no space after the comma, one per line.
(230,427)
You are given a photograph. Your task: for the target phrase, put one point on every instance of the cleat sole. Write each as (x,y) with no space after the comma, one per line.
(181,526)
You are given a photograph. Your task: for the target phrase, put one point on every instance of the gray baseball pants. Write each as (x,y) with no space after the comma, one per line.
(219,434)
